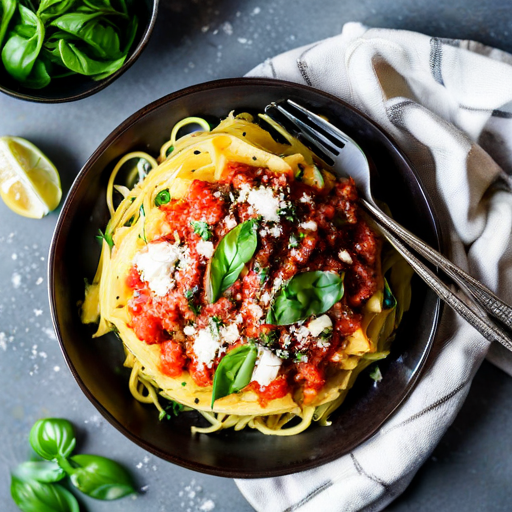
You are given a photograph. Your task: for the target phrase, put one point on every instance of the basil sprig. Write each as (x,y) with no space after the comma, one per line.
(99,477)
(33,485)
(233,252)
(52,438)
(33,496)
(306,294)
(234,371)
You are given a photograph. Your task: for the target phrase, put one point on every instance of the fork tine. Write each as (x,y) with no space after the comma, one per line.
(319,122)
(314,137)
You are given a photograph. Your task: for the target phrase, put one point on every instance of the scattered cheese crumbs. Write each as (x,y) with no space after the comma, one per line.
(205,347)
(56,368)
(318,325)
(344,256)
(156,264)
(239,318)
(189,330)
(310,225)
(14,256)
(302,332)
(267,367)
(305,198)
(276,231)
(262,200)
(230,333)
(265,298)
(38,312)
(39,281)
(230,223)
(256,311)
(205,249)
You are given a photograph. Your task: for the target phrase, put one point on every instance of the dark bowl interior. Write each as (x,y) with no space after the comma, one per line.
(97,363)
(76,87)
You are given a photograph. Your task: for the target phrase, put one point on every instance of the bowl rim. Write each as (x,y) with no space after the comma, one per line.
(51,269)
(100,84)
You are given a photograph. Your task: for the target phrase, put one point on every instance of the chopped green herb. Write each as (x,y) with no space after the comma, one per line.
(376,375)
(268,339)
(283,354)
(300,357)
(300,172)
(105,236)
(293,241)
(202,229)
(262,272)
(190,296)
(163,197)
(289,212)
(171,409)
(170,149)
(183,383)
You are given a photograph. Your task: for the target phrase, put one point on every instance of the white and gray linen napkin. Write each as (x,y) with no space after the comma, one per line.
(448,104)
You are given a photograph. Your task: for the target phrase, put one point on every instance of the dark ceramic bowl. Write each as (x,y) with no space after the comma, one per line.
(76,87)
(97,363)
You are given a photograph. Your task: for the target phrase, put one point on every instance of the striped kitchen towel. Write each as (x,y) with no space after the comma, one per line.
(448,104)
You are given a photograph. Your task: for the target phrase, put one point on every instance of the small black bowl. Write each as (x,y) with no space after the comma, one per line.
(97,363)
(76,87)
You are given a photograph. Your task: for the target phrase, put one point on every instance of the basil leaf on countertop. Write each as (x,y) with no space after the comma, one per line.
(99,477)
(7,9)
(23,45)
(32,496)
(41,471)
(233,252)
(306,294)
(52,438)
(234,371)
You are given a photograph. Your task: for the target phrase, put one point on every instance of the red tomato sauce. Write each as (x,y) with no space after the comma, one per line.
(314,227)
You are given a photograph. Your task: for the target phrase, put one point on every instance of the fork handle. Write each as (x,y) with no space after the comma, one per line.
(470,312)
(485,297)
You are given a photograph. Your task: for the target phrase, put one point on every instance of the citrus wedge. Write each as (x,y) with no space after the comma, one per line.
(29,182)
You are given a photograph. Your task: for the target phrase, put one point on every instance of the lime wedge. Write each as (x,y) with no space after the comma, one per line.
(29,182)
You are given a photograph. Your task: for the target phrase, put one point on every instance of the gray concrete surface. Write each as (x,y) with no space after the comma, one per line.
(195,41)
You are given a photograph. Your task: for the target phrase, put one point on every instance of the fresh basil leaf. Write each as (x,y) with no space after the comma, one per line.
(23,45)
(306,294)
(233,252)
(234,371)
(100,478)
(39,76)
(32,496)
(79,62)
(7,10)
(163,197)
(52,8)
(389,301)
(41,471)
(202,229)
(52,438)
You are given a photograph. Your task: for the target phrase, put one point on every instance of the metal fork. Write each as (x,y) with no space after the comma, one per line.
(349,160)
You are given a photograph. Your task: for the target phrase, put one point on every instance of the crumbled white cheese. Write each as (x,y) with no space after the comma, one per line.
(230,333)
(206,346)
(265,298)
(230,223)
(263,232)
(302,333)
(344,256)
(156,264)
(239,319)
(305,198)
(189,330)
(309,226)
(276,230)
(256,311)
(267,367)
(318,325)
(205,249)
(264,202)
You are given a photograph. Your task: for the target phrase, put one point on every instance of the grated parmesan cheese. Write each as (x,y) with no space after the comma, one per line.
(230,333)
(206,347)
(309,226)
(344,256)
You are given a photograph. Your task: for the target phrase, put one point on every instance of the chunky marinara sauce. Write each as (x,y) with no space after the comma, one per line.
(300,228)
